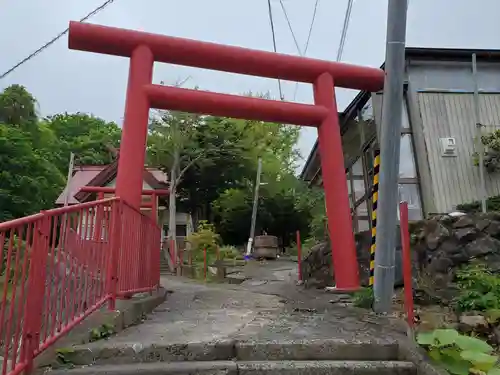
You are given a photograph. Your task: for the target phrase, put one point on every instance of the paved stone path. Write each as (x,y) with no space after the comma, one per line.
(268,306)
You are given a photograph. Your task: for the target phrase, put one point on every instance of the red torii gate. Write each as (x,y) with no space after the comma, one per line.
(144,49)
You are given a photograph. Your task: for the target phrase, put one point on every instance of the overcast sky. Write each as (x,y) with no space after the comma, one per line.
(64,80)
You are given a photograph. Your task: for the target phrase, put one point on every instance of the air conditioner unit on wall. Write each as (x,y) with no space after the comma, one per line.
(448,146)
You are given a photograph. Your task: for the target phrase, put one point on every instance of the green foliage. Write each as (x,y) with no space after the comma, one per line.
(279,212)
(28,182)
(64,356)
(479,289)
(88,137)
(204,238)
(364,298)
(102,332)
(217,163)
(35,152)
(491,144)
(493,204)
(459,354)
(18,108)
(229,253)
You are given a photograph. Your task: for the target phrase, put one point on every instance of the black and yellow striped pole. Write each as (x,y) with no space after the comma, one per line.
(376,171)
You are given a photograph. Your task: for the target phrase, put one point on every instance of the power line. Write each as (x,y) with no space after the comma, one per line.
(271,21)
(55,39)
(311,27)
(345,27)
(306,47)
(290,27)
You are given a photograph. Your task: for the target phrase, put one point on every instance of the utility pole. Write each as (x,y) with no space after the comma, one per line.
(70,175)
(390,141)
(479,142)
(254,209)
(66,196)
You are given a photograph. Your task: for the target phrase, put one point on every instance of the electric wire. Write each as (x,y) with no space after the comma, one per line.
(306,47)
(345,28)
(271,21)
(290,27)
(55,39)
(311,26)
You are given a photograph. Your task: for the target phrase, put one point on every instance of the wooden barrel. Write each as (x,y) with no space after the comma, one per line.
(265,247)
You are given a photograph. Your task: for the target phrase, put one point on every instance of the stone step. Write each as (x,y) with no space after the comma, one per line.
(250,368)
(107,352)
(326,368)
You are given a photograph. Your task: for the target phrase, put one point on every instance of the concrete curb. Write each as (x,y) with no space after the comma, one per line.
(134,353)
(327,368)
(317,350)
(158,368)
(410,351)
(102,353)
(128,312)
(253,367)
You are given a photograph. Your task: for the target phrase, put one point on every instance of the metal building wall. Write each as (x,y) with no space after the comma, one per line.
(455,180)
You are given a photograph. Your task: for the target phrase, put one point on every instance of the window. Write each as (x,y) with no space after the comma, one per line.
(367,111)
(411,194)
(405,119)
(181,230)
(363,225)
(359,189)
(362,210)
(357,168)
(407,167)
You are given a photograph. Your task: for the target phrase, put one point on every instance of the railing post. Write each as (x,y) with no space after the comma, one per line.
(205,263)
(299,257)
(114,252)
(32,324)
(407,272)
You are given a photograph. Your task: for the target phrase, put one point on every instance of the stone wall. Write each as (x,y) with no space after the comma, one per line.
(440,245)
(317,266)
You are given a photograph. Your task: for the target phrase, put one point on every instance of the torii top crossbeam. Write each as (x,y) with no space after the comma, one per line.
(187,52)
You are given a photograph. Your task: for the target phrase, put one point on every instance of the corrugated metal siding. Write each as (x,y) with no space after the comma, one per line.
(455,180)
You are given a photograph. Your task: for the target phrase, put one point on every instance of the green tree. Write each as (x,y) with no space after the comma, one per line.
(18,108)
(282,210)
(28,182)
(35,153)
(89,138)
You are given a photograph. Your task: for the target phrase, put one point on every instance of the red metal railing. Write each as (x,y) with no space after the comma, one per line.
(59,266)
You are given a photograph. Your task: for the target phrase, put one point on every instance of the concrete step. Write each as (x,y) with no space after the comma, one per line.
(326,368)
(108,352)
(250,368)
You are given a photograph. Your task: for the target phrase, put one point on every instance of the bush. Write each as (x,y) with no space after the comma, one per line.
(459,354)
(229,253)
(479,289)
(493,204)
(364,298)
(204,238)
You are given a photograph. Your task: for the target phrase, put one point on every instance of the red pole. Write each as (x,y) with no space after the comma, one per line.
(172,252)
(135,128)
(344,259)
(181,259)
(407,274)
(205,263)
(99,216)
(154,208)
(299,256)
